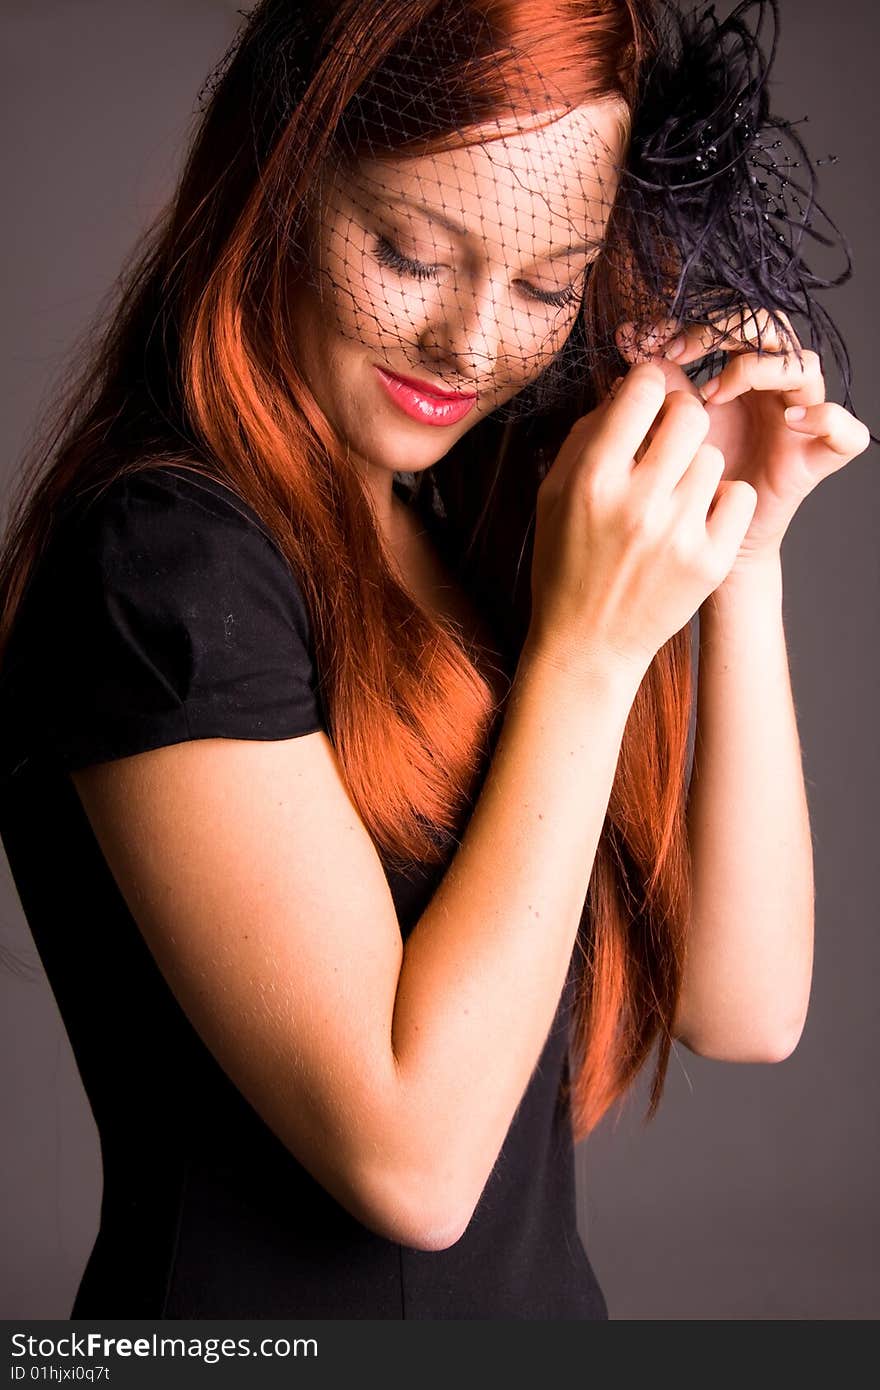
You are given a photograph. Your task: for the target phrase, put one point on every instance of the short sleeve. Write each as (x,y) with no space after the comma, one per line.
(169,615)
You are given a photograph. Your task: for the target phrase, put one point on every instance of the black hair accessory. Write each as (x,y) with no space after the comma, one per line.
(715,175)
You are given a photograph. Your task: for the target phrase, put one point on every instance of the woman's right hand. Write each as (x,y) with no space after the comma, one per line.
(625,552)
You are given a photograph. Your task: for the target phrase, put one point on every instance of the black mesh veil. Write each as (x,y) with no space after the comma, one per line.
(466,218)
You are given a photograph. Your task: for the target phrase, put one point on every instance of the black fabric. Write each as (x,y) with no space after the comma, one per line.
(162,612)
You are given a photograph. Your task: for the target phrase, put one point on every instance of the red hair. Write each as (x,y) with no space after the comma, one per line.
(194,366)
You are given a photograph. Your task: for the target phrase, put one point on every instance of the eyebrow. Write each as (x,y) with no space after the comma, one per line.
(462,231)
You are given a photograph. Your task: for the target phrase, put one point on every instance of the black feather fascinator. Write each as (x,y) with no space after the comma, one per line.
(719,192)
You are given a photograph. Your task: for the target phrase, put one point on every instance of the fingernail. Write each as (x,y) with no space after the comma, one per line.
(676,347)
(708,389)
(795,412)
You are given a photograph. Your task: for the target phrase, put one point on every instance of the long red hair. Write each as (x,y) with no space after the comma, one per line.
(193,366)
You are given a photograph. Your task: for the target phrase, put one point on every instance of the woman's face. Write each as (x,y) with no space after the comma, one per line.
(439,287)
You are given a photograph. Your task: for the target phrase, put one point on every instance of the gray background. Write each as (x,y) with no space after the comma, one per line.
(754,1193)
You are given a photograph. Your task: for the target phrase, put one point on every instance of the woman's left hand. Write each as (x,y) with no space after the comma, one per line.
(748,402)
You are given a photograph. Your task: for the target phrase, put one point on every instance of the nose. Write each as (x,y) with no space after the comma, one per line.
(465,335)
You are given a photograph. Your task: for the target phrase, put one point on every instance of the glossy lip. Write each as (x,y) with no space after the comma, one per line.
(424,403)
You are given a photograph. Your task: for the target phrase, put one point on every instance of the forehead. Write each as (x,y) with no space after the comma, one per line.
(552,182)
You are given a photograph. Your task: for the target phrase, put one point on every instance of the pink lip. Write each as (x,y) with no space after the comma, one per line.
(427,404)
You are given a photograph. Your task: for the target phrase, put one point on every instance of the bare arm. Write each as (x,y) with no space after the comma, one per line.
(485,965)
(392,1075)
(750,954)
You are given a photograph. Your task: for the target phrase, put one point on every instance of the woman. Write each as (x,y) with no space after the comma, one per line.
(324,970)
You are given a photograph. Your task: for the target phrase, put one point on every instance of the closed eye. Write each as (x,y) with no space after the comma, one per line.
(388,254)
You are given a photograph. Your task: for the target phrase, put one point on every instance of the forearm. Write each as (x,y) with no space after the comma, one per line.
(484,968)
(749,959)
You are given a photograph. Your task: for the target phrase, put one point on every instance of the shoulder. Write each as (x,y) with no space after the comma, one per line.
(170,530)
(158,496)
(169,490)
(166,611)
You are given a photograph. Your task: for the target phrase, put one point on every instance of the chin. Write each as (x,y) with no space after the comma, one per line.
(405,450)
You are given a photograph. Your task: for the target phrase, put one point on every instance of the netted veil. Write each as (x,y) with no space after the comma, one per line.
(707,205)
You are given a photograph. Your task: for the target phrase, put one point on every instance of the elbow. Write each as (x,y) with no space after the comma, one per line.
(784,1045)
(756,1051)
(744,1034)
(407,1182)
(419,1214)
(434,1232)
(779,1045)
(424,1228)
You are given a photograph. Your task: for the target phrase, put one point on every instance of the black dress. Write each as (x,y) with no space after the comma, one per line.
(160,613)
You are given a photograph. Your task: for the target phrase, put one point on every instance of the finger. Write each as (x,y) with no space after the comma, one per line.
(731,515)
(675,378)
(700,481)
(617,431)
(739,332)
(755,328)
(798,377)
(640,342)
(835,431)
(682,429)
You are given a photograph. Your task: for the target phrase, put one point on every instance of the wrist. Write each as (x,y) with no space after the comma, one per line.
(759,574)
(582,668)
(750,596)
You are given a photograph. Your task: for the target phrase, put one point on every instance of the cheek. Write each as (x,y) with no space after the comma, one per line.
(361,300)
(377,313)
(537,341)
(321,354)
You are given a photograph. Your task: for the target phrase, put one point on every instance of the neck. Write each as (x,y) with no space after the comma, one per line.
(392,511)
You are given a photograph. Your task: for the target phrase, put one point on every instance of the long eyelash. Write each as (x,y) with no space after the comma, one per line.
(389,255)
(558,298)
